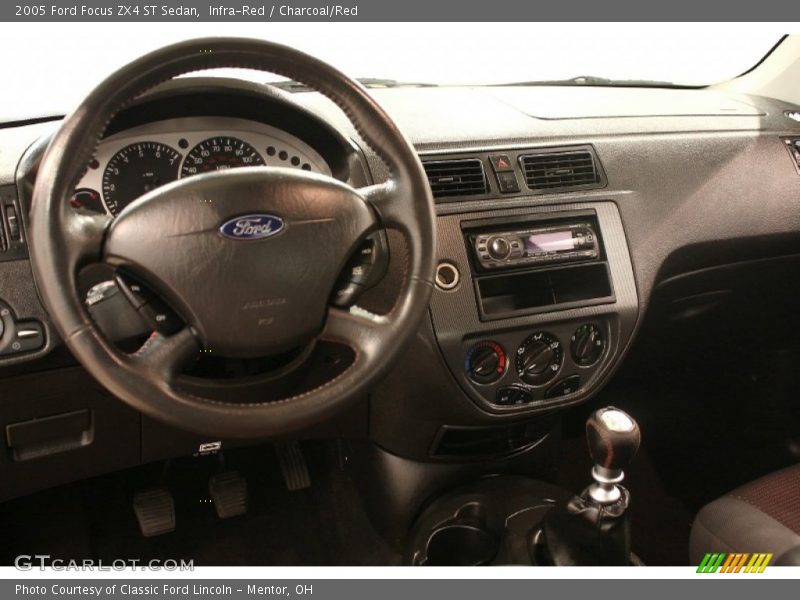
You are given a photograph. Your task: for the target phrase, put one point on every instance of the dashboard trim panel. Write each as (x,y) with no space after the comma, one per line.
(458,324)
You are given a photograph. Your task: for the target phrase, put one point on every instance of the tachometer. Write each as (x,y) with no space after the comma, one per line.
(135,170)
(215,154)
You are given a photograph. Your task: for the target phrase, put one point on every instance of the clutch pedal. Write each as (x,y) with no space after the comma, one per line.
(293,466)
(155,512)
(229,493)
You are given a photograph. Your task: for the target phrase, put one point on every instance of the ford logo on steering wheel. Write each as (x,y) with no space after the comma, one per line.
(252,227)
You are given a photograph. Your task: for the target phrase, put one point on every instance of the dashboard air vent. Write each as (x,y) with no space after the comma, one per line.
(462,177)
(551,170)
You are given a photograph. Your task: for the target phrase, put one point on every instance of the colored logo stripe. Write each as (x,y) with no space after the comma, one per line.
(734,563)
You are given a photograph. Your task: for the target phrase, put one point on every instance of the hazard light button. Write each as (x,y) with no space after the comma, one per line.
(500,163)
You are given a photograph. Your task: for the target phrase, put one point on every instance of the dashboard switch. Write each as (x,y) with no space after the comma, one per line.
(507,182)
(513,396)
(21,336)
(30,336)
(13,223)
(501,163)
(566,386)
(504,172)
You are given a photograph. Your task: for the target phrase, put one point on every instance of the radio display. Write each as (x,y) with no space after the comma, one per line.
(557,241)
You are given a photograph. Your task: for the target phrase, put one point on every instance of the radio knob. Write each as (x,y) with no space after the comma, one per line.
(499,248)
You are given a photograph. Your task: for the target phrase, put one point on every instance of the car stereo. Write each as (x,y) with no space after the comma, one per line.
(534,246)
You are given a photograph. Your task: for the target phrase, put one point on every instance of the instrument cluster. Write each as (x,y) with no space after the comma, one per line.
(131,163)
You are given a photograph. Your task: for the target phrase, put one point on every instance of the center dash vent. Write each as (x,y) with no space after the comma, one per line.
(565,169)
(462,177)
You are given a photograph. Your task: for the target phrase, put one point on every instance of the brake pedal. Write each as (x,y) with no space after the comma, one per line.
(155,512)
(293,466)
(229,493)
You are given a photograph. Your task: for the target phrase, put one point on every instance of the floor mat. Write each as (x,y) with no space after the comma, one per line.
(321,525)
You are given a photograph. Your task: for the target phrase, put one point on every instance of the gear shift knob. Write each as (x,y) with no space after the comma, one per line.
(593,528)
(613,438)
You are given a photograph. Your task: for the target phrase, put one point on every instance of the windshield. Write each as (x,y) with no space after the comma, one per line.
(53,66)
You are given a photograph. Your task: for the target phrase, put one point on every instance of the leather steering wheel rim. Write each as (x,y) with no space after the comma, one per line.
(63,240)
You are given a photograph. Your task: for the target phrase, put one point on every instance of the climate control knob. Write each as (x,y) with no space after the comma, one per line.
(539,358)
(485,362)
(499,248)
(587,345)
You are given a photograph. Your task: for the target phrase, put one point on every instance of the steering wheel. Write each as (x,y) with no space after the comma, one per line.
(243,291)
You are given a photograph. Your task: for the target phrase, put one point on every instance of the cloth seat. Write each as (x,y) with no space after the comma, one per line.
(761,516)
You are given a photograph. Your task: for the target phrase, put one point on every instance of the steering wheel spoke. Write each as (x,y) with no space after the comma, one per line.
(357,328)
(166,356)
(383,197)
(87,232)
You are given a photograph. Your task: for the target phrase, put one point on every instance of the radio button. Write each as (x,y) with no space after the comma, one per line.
(499,248)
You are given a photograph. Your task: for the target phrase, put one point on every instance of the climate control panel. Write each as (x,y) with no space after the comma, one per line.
(539,358)
(485,362)
(521,369)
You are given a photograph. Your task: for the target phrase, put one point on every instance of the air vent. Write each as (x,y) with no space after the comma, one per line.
(450,178)
(552,170)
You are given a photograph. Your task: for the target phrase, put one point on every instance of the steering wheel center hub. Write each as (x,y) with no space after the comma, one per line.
(247,257)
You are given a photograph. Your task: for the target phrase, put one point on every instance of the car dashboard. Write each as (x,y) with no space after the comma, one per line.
(557,222)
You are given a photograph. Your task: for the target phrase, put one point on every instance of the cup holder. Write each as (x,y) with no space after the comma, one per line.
(461,545)
(486,522)
(462,541)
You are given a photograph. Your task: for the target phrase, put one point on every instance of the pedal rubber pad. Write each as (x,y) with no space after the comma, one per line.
(229,493)
(155,512)
(293,466)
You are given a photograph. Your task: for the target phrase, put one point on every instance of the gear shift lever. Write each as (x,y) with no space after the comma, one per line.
(614,439)
(592,529)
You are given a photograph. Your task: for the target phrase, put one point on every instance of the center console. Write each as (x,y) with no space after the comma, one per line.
(543,305)
(534,305)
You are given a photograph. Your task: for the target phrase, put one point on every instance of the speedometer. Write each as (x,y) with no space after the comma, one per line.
(218,153)
(135,170)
